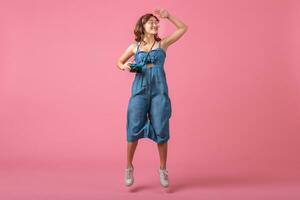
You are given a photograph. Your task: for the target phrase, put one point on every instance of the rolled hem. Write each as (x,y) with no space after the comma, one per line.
(131,139)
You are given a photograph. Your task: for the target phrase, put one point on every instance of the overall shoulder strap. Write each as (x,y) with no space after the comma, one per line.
(137,46)
(149,50)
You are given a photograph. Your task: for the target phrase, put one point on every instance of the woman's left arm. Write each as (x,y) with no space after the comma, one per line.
(181,28)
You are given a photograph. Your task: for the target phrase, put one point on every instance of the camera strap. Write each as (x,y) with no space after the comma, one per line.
(149,51)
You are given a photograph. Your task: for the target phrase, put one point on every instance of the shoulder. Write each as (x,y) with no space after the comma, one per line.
(133,46)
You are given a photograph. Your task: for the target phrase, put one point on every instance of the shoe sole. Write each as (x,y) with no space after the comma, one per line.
(126,184)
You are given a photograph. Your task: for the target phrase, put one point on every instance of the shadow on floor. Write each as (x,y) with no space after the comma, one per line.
(193,182)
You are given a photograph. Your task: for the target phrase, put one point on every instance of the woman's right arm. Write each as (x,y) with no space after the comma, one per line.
(122,63)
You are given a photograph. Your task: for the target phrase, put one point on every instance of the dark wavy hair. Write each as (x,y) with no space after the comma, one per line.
(139,30)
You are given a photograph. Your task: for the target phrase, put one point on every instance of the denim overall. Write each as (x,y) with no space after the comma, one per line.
(149,107)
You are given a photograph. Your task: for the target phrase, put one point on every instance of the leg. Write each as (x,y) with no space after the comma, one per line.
(163,150)
(160,112)
(163,173)
(136,120)
(131,146)
(129,178)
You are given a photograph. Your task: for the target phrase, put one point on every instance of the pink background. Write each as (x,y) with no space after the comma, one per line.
(234,83)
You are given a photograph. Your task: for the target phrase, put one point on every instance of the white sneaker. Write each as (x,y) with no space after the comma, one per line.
(164,179)
(129,176)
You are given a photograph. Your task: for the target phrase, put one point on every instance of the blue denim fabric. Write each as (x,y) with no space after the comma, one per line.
(149,107)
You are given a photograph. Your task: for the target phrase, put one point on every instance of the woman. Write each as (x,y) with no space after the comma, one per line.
(149,107)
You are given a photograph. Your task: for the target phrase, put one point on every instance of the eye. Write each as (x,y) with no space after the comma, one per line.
(153,22)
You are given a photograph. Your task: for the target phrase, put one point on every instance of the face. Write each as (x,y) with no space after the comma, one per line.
(151,26)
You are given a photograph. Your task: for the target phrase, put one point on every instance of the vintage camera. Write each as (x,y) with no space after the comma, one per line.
(136,67)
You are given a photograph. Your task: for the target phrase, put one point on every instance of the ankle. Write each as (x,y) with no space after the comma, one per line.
(129,165)
(162,167)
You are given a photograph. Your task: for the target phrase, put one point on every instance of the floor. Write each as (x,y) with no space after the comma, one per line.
(90,182)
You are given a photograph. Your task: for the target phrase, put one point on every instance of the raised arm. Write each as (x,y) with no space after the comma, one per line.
(173,37)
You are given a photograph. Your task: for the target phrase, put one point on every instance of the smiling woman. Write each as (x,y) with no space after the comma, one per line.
(149,107)
(147,23)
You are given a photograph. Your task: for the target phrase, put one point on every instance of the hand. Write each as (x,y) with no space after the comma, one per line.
(126,66)
(162,13)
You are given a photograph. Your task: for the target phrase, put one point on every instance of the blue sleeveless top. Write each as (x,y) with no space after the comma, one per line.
(156,56)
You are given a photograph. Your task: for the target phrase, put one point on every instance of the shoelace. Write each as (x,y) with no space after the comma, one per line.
(164,174)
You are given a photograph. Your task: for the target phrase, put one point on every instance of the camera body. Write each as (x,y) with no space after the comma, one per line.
(135,67)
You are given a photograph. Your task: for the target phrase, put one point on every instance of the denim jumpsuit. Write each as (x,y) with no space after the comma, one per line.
(149,107)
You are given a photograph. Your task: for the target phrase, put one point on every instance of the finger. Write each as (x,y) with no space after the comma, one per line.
(125,67)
